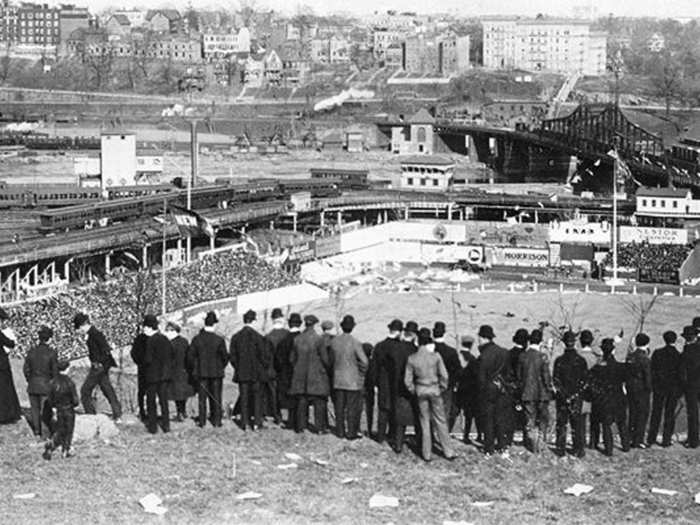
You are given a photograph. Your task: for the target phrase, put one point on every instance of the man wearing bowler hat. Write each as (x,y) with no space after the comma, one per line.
(381,378)
(158,363)
(285,369)
(467,394)
(493,397)
(40,367)
(250,359)
(666,387)
(209,359)
(690,379)
(639,389)
(349,364)
(310,382)
(274,338)
(569,378)
(101,360)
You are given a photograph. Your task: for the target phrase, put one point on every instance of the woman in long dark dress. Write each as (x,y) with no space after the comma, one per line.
(9,403)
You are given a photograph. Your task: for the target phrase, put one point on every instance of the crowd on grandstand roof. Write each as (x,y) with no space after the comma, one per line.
(119,303)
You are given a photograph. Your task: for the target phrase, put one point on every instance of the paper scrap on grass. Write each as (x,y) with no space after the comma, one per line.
(291,456)
(321,462)
(577,489)
(287,466)
(345,481)
(378,501)
(249,495)
(28,495)
(664,492)
(482,503)
(153,504)
(697,498)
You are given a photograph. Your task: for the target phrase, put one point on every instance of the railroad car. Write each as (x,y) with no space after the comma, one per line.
(350,179)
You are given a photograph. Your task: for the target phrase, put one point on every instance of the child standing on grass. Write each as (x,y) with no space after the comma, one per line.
(63,397)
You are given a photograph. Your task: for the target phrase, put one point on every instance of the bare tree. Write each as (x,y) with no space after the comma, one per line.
(667,79)
(639,307)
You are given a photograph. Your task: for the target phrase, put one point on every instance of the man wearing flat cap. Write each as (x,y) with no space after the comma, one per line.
(453,366)
(158,362)
(639,389)
(380,376)
(209,359)
(569,378)
(310,379)
(40,367)
(250,359)
(690,379)
(495,405)
(349,364)
(274,338)
(285,369)
(666,388)
(101,360)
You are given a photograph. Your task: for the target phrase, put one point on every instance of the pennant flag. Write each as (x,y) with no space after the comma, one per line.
(622,171)
(191,223)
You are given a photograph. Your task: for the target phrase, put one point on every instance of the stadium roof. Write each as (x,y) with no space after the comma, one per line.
(680,193)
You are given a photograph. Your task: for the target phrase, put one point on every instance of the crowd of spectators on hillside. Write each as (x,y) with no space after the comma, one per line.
(118,304)
(660,257)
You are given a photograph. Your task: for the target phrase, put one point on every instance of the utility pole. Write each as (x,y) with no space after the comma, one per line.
(194,161)
(163,261)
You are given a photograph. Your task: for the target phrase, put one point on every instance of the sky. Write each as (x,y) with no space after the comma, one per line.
(669,8)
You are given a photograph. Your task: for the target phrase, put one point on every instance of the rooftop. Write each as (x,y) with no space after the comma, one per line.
(673,193)
(428,160)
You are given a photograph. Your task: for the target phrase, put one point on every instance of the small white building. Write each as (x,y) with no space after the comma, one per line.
(667,202)
(427,173)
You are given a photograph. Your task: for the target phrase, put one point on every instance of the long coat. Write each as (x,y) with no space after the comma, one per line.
(9,403)
(468,382)
(274,338)
(534,379)
(180,388)
(208,355)
(311,364)
(402,402)
(607,379)
(40,367)
(99,350)
(285,369)
(570,374)
(690,366)
(380,371)
(348,362)
(250,356)
(493,371)
(451,361)
(158,359)
(665,370)
(639,372)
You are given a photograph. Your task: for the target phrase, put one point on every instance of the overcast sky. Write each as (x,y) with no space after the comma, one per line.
(668,8)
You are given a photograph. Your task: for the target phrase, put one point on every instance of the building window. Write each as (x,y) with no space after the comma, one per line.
(409,181)
(653,203)
(662,202)
(422,182)
(435,182)
(675,204)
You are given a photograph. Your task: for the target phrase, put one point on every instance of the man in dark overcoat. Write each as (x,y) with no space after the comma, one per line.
(451,360)
(379,370)
(535,385)
(40,367)
(250,358)
(569,378)
(209,359)
(666,387)
(158,362)
(690,380)
(180,389)
(516,416)
(467,396)
(284,369)
(403,407)
(310,379)
(274,338)
(138,349)
(639,390)
(495,403)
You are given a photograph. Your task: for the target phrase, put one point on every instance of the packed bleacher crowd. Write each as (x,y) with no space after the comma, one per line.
(118,303)
(661,257)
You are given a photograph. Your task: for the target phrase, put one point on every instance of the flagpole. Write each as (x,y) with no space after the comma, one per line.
(163,281)
(614,232)
(194,151)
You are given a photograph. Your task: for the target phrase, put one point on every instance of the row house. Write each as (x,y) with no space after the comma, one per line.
(165,21)
(331,50)
(216,46)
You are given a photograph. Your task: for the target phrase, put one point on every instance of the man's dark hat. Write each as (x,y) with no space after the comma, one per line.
(63,364)
(249,316)
(276,313)
(521,337)
(439,329)
(310,320)
(150,321)
(467,340)
(641,339)
(689,332)
(45,333)
(536,336)
(670,337)
(586,337)
(294,320)
(395,326)
(3,314)
(424,337)
(411,326)
(80,319)
(348,322)
(569,337)
(172,325)
(696,323)
(607,345)
(486,331)
(211,319)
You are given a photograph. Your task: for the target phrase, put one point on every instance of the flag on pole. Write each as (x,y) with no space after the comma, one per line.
(191,223)
(623,174)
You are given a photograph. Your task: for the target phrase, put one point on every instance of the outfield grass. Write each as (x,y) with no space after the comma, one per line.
(193,469)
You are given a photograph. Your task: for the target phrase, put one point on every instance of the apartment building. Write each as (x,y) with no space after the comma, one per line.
(543,44)
(444,54)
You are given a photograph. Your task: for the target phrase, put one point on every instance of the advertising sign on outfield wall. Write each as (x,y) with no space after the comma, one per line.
(514,256)
(639,234)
